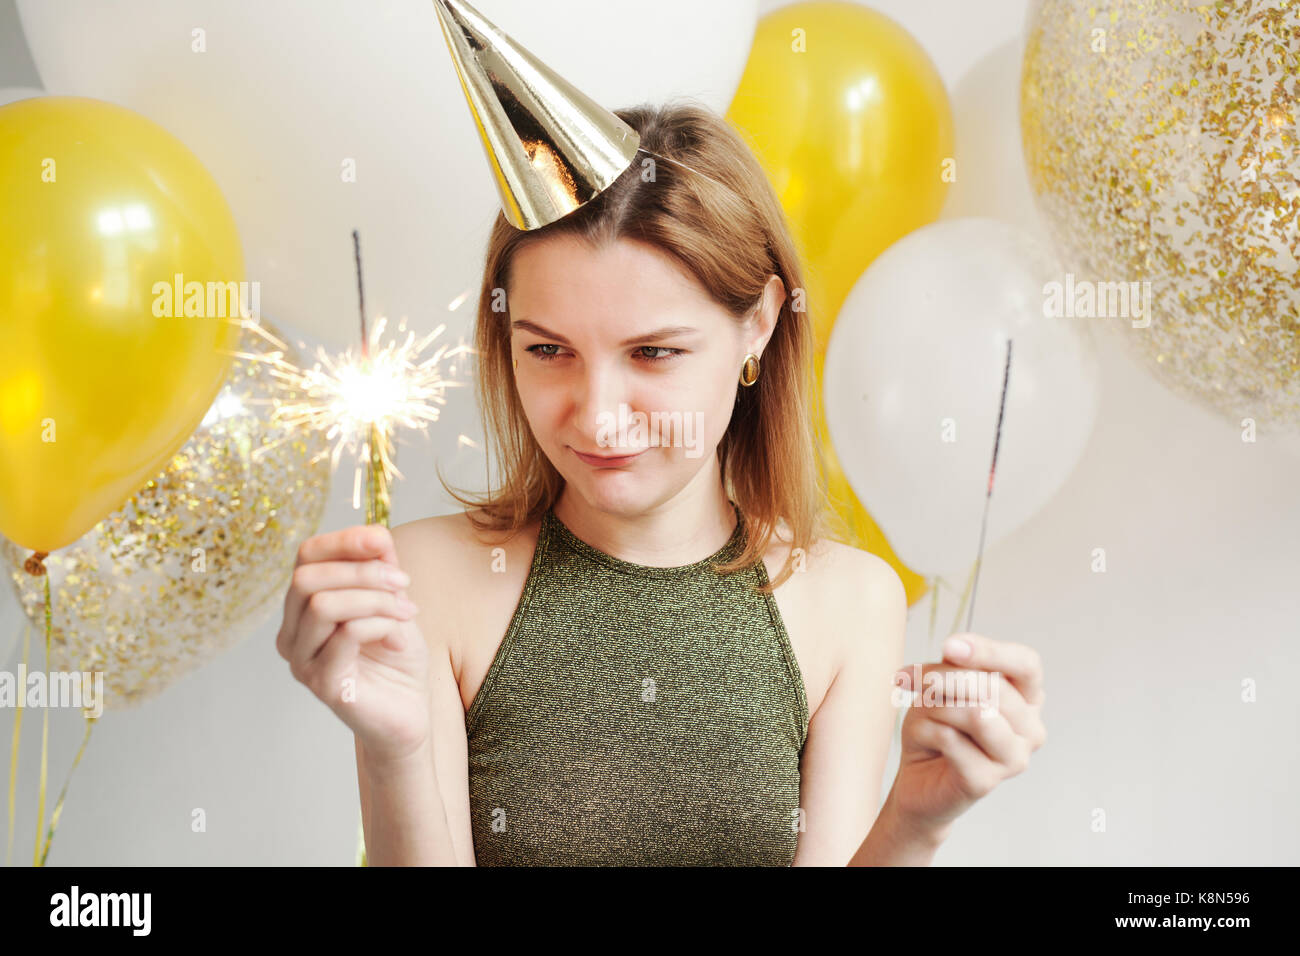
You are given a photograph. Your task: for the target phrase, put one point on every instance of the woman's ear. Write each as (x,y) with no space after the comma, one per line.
(766,314)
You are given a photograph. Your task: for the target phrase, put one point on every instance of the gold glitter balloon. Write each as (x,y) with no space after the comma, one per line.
(193,561)
(1160,141)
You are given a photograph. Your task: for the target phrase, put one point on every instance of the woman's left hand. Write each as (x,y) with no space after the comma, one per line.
(955,752)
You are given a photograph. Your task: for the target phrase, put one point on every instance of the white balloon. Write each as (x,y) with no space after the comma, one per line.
(318,118)
(12,94)
(913,379)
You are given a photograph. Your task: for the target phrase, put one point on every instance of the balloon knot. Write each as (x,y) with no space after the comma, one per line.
(35,565)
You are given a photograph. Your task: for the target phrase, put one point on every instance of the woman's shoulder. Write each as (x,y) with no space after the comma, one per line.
(459,540)
(457,566)
(826,564)
(836,592)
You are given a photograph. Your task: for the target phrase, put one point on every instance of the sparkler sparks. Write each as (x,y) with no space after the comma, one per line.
(361,400)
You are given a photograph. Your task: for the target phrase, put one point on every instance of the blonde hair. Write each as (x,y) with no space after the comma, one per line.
(727,229)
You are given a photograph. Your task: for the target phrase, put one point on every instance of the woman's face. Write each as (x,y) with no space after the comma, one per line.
(621,353)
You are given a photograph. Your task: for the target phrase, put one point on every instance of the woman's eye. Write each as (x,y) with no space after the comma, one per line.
(672,353)
(543,356)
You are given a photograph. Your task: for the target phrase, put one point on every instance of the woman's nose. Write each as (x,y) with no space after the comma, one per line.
(599,393)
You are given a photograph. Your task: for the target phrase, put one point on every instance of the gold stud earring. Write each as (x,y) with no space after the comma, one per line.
(749,371)
(516,364)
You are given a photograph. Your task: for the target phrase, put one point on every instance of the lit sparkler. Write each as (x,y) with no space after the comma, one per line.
(361,399)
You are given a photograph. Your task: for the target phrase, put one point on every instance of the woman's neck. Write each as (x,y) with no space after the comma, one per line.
(689,527)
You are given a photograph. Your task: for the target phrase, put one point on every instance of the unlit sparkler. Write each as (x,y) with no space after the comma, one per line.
(988,495)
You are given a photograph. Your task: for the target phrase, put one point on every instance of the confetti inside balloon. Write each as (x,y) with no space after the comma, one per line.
(1160,140)
(196,558)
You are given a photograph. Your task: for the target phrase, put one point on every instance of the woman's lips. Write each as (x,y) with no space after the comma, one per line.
(603,462)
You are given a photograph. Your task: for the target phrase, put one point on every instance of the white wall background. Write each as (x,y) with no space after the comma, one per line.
(1144,663)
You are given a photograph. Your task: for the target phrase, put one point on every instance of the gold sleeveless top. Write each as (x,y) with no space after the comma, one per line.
(637,716)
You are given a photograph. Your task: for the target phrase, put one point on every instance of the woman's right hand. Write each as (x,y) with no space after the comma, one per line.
(349,635)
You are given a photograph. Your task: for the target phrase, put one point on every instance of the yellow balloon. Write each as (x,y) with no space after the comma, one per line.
(853,126)
(104,370)
(852,123)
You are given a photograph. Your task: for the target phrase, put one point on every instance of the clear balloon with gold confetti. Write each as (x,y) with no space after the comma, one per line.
(194,560)
(1160,141)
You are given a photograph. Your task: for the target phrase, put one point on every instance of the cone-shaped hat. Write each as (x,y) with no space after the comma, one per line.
(550,146)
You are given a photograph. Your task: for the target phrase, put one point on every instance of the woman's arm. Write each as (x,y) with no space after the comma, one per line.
(892,842)
(849,736)
(955,748)
(402,814)
(419,811)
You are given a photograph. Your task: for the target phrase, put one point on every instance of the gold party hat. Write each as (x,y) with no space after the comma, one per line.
(551,147)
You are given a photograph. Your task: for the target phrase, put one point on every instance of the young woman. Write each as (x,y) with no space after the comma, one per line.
(644,647)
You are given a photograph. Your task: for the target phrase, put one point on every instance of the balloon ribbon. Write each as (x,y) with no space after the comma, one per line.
(35,565)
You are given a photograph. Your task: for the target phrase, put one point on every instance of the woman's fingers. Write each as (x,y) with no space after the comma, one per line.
(978,774)
(324,672)
(331,575)
(1022,664)
(350,544)
(325,610)
(988,729)
(962,685)
(357,543)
